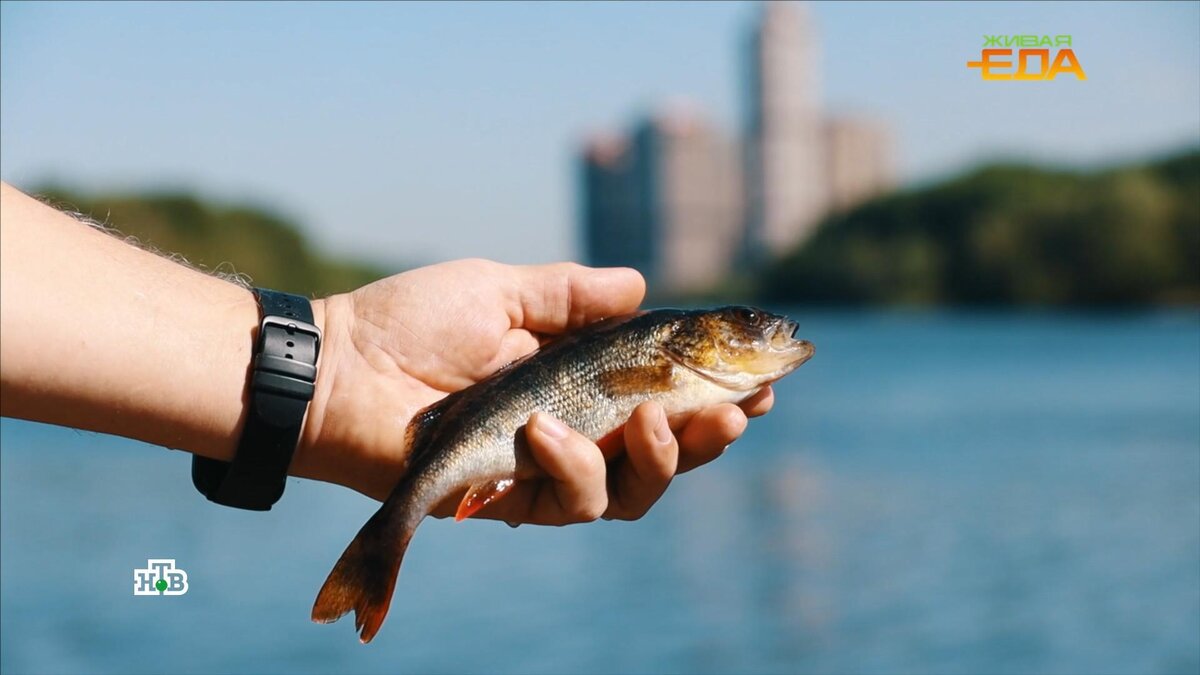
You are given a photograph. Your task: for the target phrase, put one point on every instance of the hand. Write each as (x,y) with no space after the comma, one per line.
(395,346)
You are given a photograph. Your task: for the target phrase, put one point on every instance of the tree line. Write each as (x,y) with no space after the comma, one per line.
(264,246)
(1010,235)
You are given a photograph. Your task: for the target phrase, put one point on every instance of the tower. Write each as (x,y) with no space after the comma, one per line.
(784,150)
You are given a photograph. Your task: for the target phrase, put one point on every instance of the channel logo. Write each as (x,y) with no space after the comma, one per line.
(1038,57)
(160,577)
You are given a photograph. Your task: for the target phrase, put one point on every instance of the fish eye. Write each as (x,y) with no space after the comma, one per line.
(747,315)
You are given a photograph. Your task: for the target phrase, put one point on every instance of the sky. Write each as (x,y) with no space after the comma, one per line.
(417,132)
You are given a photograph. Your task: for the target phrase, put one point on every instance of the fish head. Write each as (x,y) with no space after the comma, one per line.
(740,348)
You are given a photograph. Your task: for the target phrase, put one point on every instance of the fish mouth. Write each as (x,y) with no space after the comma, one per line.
(786,349)
(795,355)
(782,338)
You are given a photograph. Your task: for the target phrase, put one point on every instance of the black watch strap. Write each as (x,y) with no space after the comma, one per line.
(281,385)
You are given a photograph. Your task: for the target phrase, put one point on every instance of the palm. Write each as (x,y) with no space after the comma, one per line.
(441,342)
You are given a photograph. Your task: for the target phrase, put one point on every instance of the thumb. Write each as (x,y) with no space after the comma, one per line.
(553,298)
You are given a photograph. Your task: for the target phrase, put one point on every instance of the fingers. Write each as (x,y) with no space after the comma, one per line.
(577,489)
(707,434)
(552,298)
(759,404)
(642,476)
(580,487)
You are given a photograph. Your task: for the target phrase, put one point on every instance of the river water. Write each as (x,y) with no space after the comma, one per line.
(934,492)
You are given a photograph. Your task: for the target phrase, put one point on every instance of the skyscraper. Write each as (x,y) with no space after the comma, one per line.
(785,155)
(614,227)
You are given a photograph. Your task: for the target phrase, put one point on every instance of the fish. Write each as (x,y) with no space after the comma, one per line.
(590,379)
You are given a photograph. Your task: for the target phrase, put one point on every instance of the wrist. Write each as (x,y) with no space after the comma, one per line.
(310,461)
(355,430)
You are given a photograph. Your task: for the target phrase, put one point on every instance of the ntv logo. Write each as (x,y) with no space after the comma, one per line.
(160,577)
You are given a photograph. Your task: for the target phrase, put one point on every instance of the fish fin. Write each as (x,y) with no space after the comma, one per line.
(637,379)
(481,495)
(365,576)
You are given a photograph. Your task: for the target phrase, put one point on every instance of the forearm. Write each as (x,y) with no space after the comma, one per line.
(101,335)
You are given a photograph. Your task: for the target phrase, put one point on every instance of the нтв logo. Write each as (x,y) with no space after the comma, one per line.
(1030,48)
(160,577)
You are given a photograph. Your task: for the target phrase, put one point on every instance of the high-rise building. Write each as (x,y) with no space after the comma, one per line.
(614,229)
(667,201)
(785,157)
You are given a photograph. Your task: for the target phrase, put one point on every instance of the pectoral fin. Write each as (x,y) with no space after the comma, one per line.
(481,495)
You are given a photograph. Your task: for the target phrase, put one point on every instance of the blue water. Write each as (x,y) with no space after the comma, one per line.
(933,493)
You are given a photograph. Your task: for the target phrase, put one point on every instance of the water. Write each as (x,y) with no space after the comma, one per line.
(933,493)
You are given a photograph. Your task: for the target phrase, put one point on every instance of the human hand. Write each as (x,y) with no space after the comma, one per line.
(395,346)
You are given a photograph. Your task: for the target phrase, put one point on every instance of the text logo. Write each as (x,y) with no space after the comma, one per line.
(161,577)
(1034,60)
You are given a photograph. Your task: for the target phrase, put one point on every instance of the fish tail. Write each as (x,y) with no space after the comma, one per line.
(365,576)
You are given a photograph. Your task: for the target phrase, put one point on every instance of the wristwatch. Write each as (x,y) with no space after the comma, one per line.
(282,381)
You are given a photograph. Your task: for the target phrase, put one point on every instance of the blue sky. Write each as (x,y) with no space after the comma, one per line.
(419,132)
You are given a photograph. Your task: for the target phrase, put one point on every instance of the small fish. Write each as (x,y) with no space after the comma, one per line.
(592,380)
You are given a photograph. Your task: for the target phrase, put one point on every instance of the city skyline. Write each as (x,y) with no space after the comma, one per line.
(687,204)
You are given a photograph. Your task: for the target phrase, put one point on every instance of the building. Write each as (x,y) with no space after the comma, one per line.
(665,200)
(785,154)
(859,156)
(614,233)
(680,202)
